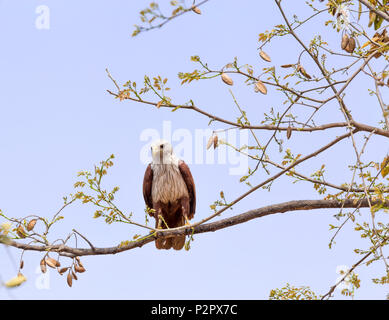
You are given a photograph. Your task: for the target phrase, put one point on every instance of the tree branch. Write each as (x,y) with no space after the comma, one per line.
(289,206)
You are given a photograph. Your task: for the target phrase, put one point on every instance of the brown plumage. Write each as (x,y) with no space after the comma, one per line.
(169,189)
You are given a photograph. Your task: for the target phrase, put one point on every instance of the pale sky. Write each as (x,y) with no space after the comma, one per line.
(58,119)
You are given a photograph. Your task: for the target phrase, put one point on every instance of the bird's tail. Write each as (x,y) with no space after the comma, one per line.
(176,242)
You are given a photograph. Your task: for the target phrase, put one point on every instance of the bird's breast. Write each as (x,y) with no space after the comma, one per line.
(168,184)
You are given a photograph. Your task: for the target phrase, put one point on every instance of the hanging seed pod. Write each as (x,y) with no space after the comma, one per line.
(210,142)
(43,266)
(303,72)
(215,141)
(20,231)
(264,56)
(74,275)
(62,270)
(372,16)
(350,45)
(260,87)
(196,10)
(21,264)
(69,279)
(52,262)
(289,132)
(287,65)
(227,80)
(345,40)
(15,282)
(31,224)
(79,269)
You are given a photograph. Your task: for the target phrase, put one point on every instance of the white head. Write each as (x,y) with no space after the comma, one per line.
(162,153)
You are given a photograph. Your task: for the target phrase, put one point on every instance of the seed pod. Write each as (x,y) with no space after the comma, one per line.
(289,132)
(196,10)
(215,141)
(31,224)
(62,270)
(52,262)
(74,275)
(69,279)
(43,266)
(21,264)
(303,72)
(372,16)
(15,282)
(345,40)
(264,56)
(260,87)
(350,45)
(287,65)
(227,79)
(79,269)
(210,142)
(20,231)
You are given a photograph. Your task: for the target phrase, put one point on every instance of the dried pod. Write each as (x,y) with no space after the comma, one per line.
(15,282)
(372,16)
(227,79)
(43,266)
(52,262)
(210,142)
(350,45)
(196,10)
(21,264)
(303,72)
(79,269)
(74,275)
(289,132)
(215,141)
(62,270)
(69,279)
(260,87)
(264,56)
(20,231)
(31,224)
(345,40)
(287,65)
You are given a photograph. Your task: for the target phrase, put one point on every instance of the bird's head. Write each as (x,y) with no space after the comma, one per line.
(162,152)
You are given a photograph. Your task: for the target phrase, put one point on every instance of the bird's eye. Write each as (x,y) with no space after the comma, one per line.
(161,146)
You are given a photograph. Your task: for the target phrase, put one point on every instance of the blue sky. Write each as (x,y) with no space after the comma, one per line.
(58,119)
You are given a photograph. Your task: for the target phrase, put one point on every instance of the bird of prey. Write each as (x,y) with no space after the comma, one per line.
(169,189)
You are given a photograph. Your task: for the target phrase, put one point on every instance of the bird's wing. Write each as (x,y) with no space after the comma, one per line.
(147,184)
(187,176)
